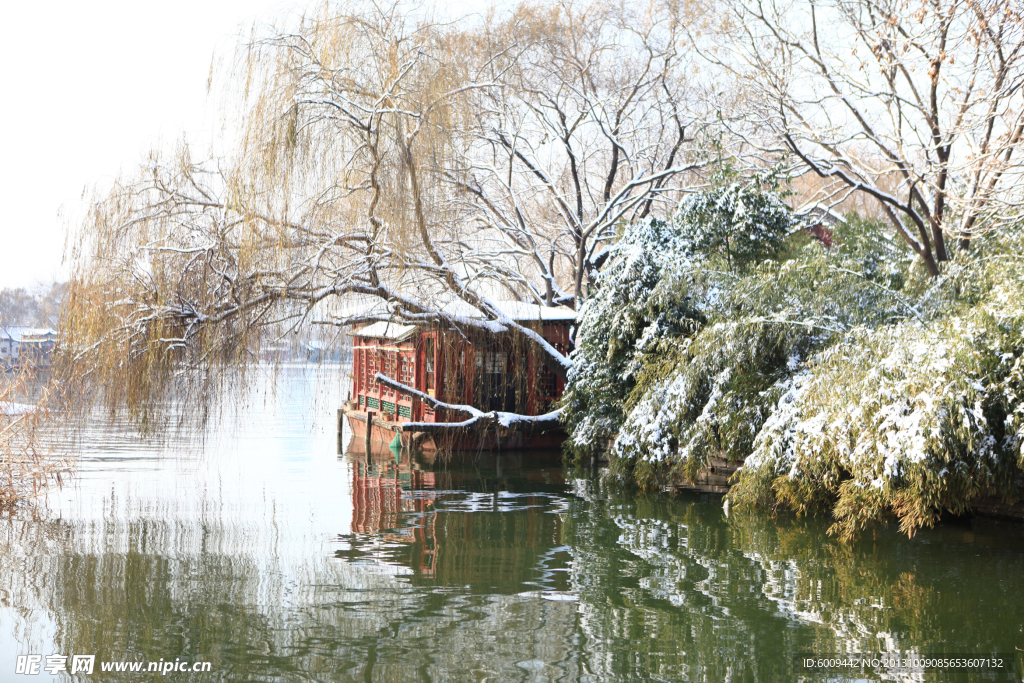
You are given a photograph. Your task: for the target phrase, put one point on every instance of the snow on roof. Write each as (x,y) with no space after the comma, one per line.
(820,212)
(521,311)
(385,330)
(518,311)
(20,333)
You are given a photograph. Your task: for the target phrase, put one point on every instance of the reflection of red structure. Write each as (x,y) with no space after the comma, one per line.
(479,537)
(381,503)
(483,371)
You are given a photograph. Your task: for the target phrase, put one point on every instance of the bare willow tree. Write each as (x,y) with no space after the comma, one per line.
(916,103)
(392,168)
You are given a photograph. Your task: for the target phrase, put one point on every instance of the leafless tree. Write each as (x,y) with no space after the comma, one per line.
(917,103)
(393,168)
(39,307)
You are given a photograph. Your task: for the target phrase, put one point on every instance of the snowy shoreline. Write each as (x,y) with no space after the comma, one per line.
(11,409)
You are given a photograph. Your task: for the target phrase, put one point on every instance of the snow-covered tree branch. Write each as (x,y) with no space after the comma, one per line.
(478,420)
(394,168)
(917,105)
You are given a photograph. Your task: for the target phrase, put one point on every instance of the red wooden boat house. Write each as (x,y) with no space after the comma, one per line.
(457,367)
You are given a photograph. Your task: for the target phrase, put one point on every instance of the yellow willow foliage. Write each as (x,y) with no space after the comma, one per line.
(388,166)
(29,413)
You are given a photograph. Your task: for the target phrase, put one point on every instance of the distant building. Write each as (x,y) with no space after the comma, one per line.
(26,345)
(820,219)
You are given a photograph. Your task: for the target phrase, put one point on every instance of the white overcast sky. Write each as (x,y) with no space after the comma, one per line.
(88,88)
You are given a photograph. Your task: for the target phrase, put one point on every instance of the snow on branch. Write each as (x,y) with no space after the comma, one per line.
(504,423)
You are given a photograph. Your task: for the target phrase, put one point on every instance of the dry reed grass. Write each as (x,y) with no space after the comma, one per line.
(29,465)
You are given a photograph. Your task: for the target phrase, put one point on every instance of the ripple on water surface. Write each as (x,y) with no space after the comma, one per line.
(257,548)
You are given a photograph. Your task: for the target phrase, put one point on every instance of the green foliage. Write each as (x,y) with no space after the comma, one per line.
(620,325)
(740,224)
(844,379)
(656,291)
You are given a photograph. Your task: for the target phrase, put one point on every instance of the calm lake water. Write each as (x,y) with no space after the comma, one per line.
(263,552)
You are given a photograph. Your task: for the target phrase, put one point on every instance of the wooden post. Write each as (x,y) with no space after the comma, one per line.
(369,432)
(341,424)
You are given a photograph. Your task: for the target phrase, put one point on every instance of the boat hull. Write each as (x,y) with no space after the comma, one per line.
(384,434)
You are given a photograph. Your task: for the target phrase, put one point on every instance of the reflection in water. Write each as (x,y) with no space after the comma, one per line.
(461,527)
(276,561)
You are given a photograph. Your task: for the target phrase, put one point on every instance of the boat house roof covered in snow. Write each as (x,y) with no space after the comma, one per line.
(487,371)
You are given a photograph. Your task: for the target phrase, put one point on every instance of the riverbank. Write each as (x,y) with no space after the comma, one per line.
(845,379)
(718,476)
